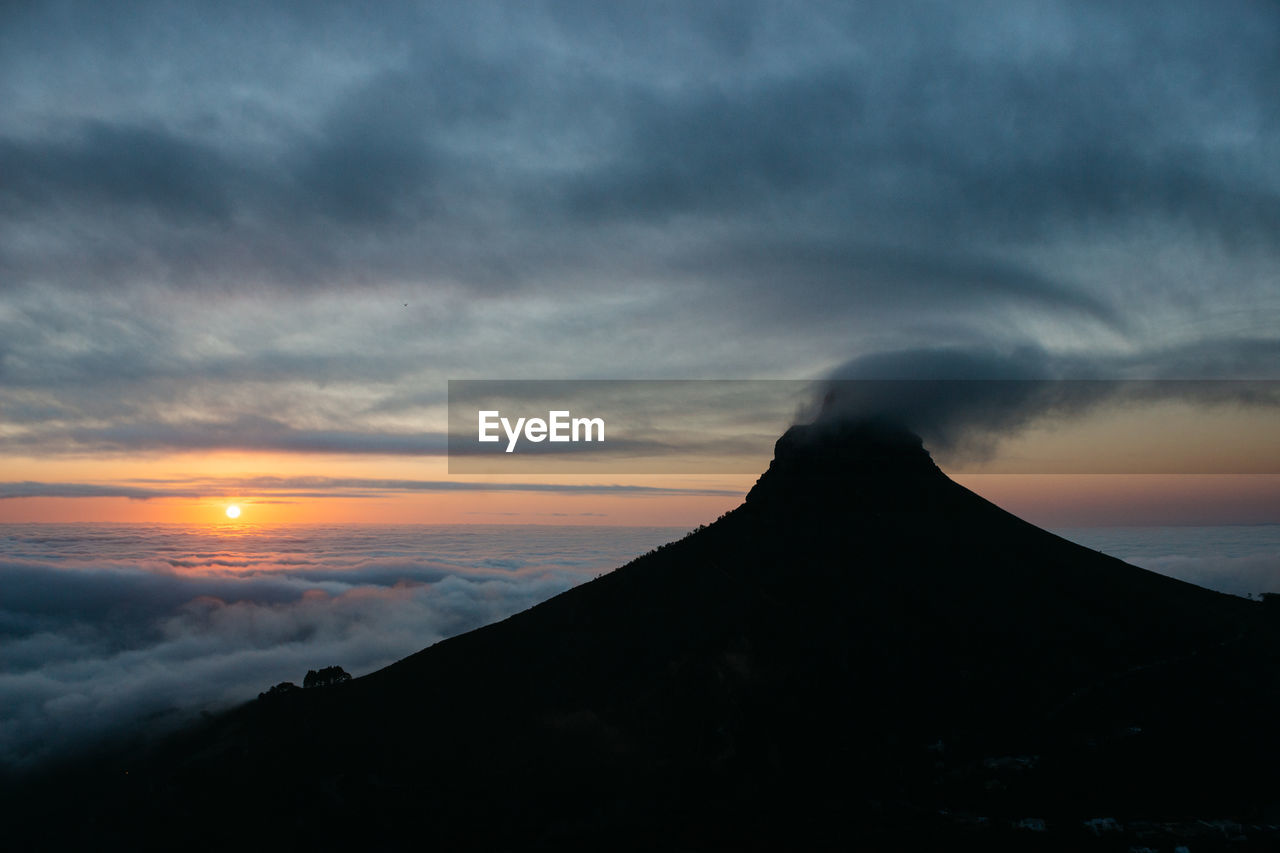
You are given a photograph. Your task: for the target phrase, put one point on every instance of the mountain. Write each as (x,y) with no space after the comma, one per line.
(863,654)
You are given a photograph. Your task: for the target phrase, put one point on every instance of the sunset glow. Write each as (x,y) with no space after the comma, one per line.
(224,330)
(233,511)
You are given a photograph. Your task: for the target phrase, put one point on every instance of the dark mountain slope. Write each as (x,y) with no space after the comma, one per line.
(863,651)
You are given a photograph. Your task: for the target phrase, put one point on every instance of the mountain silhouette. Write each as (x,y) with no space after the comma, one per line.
(863,654)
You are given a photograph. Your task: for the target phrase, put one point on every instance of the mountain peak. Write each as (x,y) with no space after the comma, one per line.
(865,444)
(837,461)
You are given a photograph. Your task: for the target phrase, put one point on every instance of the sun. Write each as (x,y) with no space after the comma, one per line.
(233,511)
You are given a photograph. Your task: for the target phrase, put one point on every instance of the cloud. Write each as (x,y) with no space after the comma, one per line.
(104,628)
(1240,575)
(384,485)
(119,166)
(830,114)
(256,433)
(31,489)
(845,278)
(1240,560)
(321,487)
(214,217)
(963,400)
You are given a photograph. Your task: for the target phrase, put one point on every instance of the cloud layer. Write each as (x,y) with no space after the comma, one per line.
(1241,560)
(103,628)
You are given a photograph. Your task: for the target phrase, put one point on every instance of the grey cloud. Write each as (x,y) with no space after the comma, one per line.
(256,433)
(1245,574)
(844,279)
(722,149)
(1237,357)
(407,145)
(961,400)
(1241,559)
(928,141)
(30,489)
(248,432)
(957,399)
(121,592)
(374,159)
(115,165)
(381,485)
(941,142)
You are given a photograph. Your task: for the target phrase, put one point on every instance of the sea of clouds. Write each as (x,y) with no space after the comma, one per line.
(1240,559)
(105,627)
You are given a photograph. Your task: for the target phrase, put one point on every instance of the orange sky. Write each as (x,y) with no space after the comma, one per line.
(267,506)
(471,508)
(201,485)
(1045,499)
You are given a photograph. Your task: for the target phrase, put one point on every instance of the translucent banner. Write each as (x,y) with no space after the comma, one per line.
(970,426)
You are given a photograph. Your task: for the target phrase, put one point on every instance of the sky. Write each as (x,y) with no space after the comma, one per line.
(244,247)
